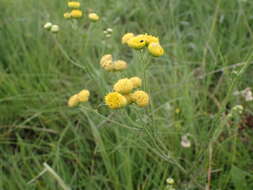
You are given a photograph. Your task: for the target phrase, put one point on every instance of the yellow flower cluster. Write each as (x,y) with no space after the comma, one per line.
(108,64)
(75,12)
(123,95)
(82,96)
(142,40)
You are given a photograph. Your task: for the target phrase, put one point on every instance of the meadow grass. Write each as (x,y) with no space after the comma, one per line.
(208,56)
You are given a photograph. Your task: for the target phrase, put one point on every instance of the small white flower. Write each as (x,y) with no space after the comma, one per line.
(109,30)
(108,35)
(247,94)
(170,181)
(185,142)
(48,25)
(55,28)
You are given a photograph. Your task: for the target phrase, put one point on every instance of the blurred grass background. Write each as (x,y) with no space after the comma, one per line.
(92,147)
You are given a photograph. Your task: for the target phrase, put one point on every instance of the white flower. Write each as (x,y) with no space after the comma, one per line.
(48,25)
(55,28)
(247,94)
(185,142)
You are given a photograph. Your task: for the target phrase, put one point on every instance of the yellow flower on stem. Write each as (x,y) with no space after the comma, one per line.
(67,15)
(74,4)
(136,82)
(93,17)
(115,100)
(120,65)
(73,100)
(155,49)
(137,42)
(76,13)
(83,95)
(123,86)
(151,39)
(141,98)
(126,37)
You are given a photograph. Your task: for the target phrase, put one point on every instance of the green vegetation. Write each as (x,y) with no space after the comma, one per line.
(208,55)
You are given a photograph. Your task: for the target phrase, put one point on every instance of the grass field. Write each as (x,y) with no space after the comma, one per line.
(208,55)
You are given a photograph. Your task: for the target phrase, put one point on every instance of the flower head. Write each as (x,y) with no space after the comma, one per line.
(74,4)
(141,98)
(126,37)
(73,100)
(83,95)
(170,181)
(155,49)
(105,58)
(48,25)
(137,42)
(129,98)
(151,39)
(136,82)
(55,28)
(106,62)
(93,17)
(120,65)
(123,86)
(115,100)
(67,15)
(185,142)
(76,13)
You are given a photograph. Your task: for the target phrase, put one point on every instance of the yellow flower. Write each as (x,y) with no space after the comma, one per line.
(126,37)
(123,86)
(151,39)
(73,4)
(83,95)
(177,111)
(76,13)
(137,42)
(141,98)
(105,58)
(67,15)
(73,100)
(129,98)
(120,65)
(136,82)
(108,65)
(155,49)
(93,17)
(115,100)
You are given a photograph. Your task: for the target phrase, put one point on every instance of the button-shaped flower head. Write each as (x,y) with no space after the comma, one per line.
(76,13)
(155,49)
(73,100)
(93,17)
(120,65)
(136,82)
(115,100)
(137,42)
(83,95)
(126,37)
(55,28)
(67,15)
(74,4)
(141,98)
(123,86)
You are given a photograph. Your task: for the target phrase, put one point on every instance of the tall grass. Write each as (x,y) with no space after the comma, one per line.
(92,147)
